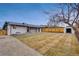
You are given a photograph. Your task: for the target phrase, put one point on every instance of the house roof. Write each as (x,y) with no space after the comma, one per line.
(24,24)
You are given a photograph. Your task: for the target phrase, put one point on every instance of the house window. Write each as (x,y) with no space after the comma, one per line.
(14,27)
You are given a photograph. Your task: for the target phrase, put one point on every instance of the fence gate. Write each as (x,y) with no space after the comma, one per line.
(3,32)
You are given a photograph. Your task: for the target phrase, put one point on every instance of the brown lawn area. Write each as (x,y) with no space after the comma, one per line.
(55,44)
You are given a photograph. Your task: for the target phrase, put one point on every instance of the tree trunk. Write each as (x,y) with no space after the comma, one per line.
(76,33)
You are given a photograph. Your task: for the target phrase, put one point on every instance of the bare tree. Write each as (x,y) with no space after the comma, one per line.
(53,21)
(69,14)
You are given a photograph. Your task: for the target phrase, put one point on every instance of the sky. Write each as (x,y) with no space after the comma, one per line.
(30,13)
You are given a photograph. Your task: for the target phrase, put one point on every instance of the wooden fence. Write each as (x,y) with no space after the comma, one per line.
(54,30)
(3,32)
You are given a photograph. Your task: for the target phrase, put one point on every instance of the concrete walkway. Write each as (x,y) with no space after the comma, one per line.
(10,46)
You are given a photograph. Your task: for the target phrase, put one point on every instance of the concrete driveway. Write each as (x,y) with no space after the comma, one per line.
(10,46)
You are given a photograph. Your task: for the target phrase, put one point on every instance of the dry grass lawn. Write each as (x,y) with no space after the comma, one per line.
(52,44)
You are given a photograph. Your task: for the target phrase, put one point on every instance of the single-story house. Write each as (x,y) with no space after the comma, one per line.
(22,28)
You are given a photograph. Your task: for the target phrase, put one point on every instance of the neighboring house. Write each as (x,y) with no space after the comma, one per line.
(22,28)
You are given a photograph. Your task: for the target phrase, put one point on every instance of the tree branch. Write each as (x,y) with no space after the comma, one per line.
(75,19)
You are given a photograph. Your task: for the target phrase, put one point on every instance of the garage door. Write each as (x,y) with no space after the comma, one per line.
(32,30)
